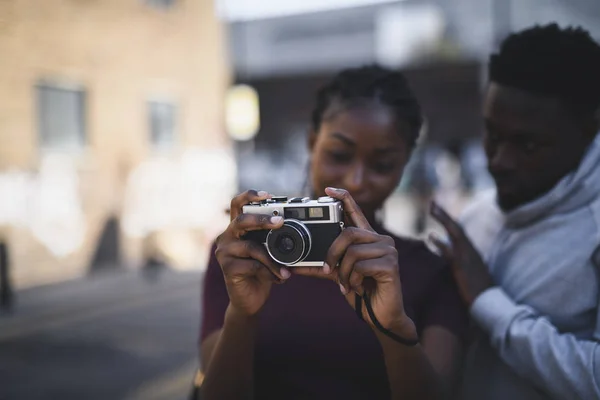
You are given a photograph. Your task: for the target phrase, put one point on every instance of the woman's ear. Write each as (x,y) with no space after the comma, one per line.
(312,140)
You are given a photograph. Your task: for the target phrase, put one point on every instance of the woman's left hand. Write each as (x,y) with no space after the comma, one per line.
(361,260)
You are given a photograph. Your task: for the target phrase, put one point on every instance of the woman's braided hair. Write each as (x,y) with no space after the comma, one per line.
(375,83)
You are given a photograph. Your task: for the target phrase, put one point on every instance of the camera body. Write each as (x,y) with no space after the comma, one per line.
(309,228)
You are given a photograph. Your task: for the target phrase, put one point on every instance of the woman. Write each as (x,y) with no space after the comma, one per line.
(302,339)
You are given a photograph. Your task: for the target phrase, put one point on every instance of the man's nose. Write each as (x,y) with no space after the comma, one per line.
(503,159)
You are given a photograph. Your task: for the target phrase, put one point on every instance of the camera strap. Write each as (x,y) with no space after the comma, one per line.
(358,300)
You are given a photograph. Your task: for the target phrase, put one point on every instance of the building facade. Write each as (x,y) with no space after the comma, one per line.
(110,110)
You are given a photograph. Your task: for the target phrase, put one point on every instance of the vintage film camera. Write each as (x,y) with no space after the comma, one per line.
(309,229)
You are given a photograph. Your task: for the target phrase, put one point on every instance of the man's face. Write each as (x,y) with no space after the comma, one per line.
(531,142)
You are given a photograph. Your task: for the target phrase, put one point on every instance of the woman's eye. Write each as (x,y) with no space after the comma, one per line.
(384,168)
(340,157)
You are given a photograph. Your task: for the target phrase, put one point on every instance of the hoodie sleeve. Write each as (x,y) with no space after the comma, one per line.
(558,363)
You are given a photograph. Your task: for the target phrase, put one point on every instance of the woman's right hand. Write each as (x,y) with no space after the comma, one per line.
(248,269)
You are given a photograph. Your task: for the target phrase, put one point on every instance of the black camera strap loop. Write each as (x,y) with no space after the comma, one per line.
(358,300)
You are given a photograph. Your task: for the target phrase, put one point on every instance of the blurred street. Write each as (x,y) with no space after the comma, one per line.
(125,335)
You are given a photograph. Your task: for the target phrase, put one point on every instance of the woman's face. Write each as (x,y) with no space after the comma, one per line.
(360,150)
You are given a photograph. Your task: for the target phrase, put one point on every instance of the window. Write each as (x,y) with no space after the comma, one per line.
(61,117)
(162,4)
(162,123)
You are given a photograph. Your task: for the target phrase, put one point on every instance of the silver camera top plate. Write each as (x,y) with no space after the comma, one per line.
(315,213)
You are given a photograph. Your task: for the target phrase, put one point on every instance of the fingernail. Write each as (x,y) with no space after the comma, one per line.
(439,237)
(276,220)
(334,189)
(343,289)
(326,268)
(262,193)
(285,273)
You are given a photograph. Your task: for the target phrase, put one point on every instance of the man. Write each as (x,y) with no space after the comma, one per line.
(527,258)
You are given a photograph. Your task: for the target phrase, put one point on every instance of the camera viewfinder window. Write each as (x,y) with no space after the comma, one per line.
(315,213)
(295,213)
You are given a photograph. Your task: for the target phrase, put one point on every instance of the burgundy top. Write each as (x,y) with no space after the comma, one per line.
(312,345)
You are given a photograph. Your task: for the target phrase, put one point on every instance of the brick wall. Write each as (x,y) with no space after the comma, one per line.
(122,52)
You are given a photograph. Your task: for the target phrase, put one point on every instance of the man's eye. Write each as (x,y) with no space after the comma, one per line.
(530,146)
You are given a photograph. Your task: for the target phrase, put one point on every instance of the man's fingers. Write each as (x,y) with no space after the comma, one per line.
(247,249)
(242,199)
(351,209)
(454,229)
(245,223)
(443,248)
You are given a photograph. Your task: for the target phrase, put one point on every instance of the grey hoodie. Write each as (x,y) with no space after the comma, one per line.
(539,329)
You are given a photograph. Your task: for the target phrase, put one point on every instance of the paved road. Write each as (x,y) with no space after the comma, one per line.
(119,336)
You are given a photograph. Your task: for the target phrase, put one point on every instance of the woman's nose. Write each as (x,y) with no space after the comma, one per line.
(355,178)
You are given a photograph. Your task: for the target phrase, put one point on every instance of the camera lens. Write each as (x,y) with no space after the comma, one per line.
(289,244)
(285,244)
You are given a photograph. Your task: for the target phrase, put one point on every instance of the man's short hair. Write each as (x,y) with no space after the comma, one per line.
(549,60)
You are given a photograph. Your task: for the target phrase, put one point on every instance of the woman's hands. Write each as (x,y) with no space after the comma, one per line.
(248,270)
(361,260)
